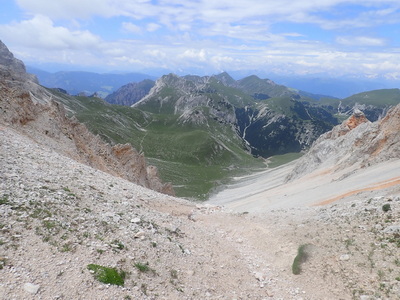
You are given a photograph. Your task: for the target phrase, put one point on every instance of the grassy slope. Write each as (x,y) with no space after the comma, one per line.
(379,98)
(193,158)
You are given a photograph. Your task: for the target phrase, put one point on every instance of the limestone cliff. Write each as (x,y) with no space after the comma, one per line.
(356,143)
(33,110)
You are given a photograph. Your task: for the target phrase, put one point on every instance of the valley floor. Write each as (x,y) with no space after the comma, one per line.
(58,216)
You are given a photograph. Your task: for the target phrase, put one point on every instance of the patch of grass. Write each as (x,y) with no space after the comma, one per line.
(142,267)
(174,274)
(348,243)
(67,247)
(118,244)
(107,275)
(386,207)
(3,262)
(300,258)
(381,274)
(49,224)
(4,200)
(39,213)
(397,262)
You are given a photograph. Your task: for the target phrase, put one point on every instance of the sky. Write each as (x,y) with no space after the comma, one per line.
(289,37)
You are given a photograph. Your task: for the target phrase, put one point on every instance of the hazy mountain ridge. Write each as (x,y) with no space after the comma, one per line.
(76,82)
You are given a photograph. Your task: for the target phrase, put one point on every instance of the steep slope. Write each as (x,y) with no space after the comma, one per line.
(262,89)
(64,224)
(259,89)
(56,221)
(58,217)
(357,159)
(34,111)
(130,93)
(356,143)
(282,125)
(194,157)
(273,126)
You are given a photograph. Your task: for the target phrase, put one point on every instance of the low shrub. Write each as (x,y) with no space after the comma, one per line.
(386,207)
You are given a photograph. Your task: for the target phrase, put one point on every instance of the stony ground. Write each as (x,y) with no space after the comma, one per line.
(58,216)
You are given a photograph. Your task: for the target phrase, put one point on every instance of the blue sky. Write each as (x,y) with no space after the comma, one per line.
(288,37)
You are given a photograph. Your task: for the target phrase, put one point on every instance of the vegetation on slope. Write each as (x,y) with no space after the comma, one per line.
(195,158)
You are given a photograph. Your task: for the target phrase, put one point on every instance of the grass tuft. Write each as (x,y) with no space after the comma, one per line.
(107,275)
(142,267)
(300,258)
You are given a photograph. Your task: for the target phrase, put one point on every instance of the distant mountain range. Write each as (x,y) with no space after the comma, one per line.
(75,82)
(322,84)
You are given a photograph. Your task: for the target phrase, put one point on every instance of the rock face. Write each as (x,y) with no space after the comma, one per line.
(11,68)
(268,118)
(31,109)
(130,93)
(356,142)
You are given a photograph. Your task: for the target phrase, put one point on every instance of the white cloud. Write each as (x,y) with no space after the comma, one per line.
(222,34)
(69,9)
(152,27)
(130,27)
(199,55)
(209,11)
(40,32)
(360,41)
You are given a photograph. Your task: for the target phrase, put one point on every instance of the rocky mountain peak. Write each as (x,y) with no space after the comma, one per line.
(225,79)
(12,68)
(130,93)
(7,60)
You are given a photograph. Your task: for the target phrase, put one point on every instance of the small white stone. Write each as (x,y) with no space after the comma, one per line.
(135,220)
(140,235)
(31,288)
(344,257)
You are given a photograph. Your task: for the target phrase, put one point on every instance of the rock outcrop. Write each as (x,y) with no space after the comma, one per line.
(356,143)
(12,69)
(33,110)
(277,126)
(130,93)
